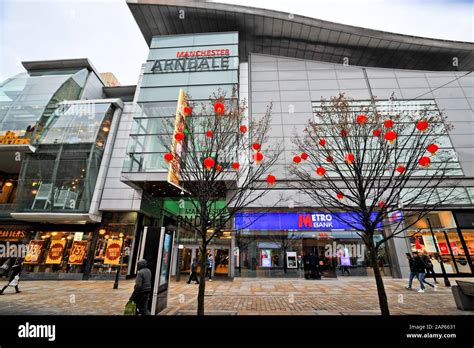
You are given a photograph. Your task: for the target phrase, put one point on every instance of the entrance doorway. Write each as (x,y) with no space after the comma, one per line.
(221,259)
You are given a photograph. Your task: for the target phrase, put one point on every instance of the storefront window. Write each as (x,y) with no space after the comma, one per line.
(57,252)
(104,262)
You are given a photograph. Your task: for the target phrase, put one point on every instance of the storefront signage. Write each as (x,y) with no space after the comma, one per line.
(177,147)
(429,244)
(78,252)
(112,253)
(298,221)
(11,138)
(197,60)
(34,251)
(12,235)
(55,253)
(444,249)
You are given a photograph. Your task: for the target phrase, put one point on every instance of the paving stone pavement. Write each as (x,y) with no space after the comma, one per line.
(242,296)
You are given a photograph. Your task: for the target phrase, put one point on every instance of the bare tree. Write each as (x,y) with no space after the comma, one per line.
(217,155)
(372,163)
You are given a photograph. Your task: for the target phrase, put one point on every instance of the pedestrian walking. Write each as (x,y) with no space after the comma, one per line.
(14,279)
(345,263)
(142,289)
(413,272)
(209,265)
(419,266)
(429,265)
(193,275)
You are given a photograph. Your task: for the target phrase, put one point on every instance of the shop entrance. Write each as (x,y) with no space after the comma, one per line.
(221,259)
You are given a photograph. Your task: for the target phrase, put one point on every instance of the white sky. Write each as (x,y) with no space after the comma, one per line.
(106,33)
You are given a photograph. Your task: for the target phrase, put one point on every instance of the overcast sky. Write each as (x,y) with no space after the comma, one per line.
(106,33)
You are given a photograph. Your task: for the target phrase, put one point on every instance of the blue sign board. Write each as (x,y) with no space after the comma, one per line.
(321,221)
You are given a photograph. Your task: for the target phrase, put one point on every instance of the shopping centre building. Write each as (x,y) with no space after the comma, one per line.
(83,174)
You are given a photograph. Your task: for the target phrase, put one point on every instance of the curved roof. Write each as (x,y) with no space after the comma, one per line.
(278,33)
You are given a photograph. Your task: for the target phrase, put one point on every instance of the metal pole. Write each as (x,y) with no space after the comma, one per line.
(443,270)
(119,269)
(178,266)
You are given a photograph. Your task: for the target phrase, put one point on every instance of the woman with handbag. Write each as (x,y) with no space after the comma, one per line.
(14,278)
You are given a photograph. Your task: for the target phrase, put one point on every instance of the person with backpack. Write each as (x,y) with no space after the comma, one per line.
(429,265)
(420,267)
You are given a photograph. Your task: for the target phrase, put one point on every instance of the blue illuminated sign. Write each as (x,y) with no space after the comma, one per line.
(321,221)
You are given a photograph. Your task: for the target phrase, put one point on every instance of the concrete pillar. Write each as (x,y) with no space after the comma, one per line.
(398,247)
(232,257)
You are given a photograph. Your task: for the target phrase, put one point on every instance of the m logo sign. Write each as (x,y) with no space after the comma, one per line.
(37,331)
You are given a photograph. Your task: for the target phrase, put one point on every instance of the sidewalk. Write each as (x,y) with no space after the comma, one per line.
(242,296)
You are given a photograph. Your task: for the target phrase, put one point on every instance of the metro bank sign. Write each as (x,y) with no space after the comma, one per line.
(321,221)
(197,60)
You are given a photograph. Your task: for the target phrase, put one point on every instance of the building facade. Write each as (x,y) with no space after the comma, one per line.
(92,171)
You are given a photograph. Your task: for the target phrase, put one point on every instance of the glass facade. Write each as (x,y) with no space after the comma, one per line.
(214,66)
(28,99)
(60,176)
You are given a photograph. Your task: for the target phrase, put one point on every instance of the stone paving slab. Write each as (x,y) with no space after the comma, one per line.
(243,296)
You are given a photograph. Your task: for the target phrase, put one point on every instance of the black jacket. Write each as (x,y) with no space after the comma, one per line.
(418,266)
(143,281)
(16,270)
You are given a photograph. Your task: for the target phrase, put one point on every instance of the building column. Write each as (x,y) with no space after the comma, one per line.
(397,248)
(232,257)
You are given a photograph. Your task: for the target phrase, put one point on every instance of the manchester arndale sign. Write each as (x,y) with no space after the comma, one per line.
(197,60)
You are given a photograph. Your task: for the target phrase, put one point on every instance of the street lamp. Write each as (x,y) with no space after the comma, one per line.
(443,270)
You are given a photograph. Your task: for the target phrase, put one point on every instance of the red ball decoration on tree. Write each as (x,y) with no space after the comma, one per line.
(209,163)
(219,108)
(350,158)
(258,157)
(361,119)
(390,136)
(168,157)
(388,123)
(344,133)
(381,204)
(296,159)
(322,142)
(271,179)
(401,169)
(422,125)
(329,159)
(432,148)
(377,132)
(235,166)
(209,134)
(243,129)
(320,171)
(179,136)
(256,146)
(340,195)
(304,156)
(187,111)
(424,161)
(219,168)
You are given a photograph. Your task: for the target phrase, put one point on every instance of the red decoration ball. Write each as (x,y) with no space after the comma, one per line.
(179,136)
(320,171)
(432,148)
(401,169)
(297,159)
(388,123)
(219,108)
(258,157)
(168,157)
(209,163)
(235,166)
(424,161)
(422,125)
(256,146)
(271,179)
(361,119)
(329,159)
(390,136)
(377,132)
(322,142)
(187,110)
(304,156)
(340,195)
(243,128)
(209,134)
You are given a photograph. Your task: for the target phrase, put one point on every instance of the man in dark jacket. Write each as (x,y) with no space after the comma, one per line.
(193,273)
(141,292)
(419,267)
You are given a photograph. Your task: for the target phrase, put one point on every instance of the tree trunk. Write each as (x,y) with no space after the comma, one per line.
(383,301)
(202,277)
(284,260)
